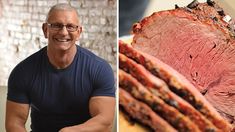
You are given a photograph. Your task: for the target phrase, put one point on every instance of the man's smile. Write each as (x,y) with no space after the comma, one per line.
(62,39)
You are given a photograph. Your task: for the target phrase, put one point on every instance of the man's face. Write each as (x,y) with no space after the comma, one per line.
(61,39)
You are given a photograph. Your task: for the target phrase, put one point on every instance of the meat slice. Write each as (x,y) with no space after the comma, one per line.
(203,53)
(143,113)
(170,114)
(160,89)
(177,83)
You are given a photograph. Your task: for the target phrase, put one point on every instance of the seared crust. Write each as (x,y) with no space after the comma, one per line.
(213,16)
(143,113)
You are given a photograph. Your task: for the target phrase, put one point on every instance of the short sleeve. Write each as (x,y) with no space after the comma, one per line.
(104,84)
(17,88)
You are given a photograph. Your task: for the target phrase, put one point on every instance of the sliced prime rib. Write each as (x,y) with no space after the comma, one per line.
(176,82)
(199,43)
(160,89)
(170,114)
(143,113)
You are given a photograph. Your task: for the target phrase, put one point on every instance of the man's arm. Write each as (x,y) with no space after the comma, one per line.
(102,110)
(16,116)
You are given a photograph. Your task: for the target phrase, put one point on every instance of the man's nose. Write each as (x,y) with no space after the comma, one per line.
(64,30)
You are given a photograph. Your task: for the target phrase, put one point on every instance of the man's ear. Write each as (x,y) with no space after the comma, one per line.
(79,32)
(44,29)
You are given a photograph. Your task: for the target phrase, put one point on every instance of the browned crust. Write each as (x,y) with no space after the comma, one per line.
(202,14)
(212,14)
(143,113)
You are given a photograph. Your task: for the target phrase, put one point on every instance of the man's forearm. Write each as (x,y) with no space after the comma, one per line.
(102,118)
(15,128)
(95,124)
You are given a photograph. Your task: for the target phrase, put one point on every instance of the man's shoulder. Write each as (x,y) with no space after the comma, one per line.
(26,68)
(36,55)
(87,54)
(30,61)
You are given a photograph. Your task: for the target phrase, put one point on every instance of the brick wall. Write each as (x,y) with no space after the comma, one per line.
(0,9)
(21,34)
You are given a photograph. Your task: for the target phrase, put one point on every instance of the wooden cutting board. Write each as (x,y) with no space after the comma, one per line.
(126,126)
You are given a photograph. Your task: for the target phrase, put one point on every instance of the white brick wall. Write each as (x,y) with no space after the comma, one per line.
(21,34)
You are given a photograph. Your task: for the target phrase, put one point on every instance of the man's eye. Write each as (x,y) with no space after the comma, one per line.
(56,26)
(70,27)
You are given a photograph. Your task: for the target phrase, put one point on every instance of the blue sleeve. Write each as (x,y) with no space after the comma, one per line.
(17,88)
(104,81)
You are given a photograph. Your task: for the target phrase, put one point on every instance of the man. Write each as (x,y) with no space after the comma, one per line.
(67,87)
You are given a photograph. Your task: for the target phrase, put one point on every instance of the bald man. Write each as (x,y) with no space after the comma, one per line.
(67,88)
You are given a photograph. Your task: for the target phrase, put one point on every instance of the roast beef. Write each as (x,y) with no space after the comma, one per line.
(198,41)
(143,113)
(173,80)
(170,114)
(160,89)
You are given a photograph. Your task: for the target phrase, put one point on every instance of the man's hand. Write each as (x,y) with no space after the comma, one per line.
(68,129)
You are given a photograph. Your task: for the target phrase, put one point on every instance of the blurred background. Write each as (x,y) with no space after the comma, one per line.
(21,34)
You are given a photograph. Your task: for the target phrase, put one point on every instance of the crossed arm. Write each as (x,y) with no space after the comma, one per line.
(102,110)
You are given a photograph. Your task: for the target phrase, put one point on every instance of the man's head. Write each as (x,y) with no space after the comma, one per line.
(62,27)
